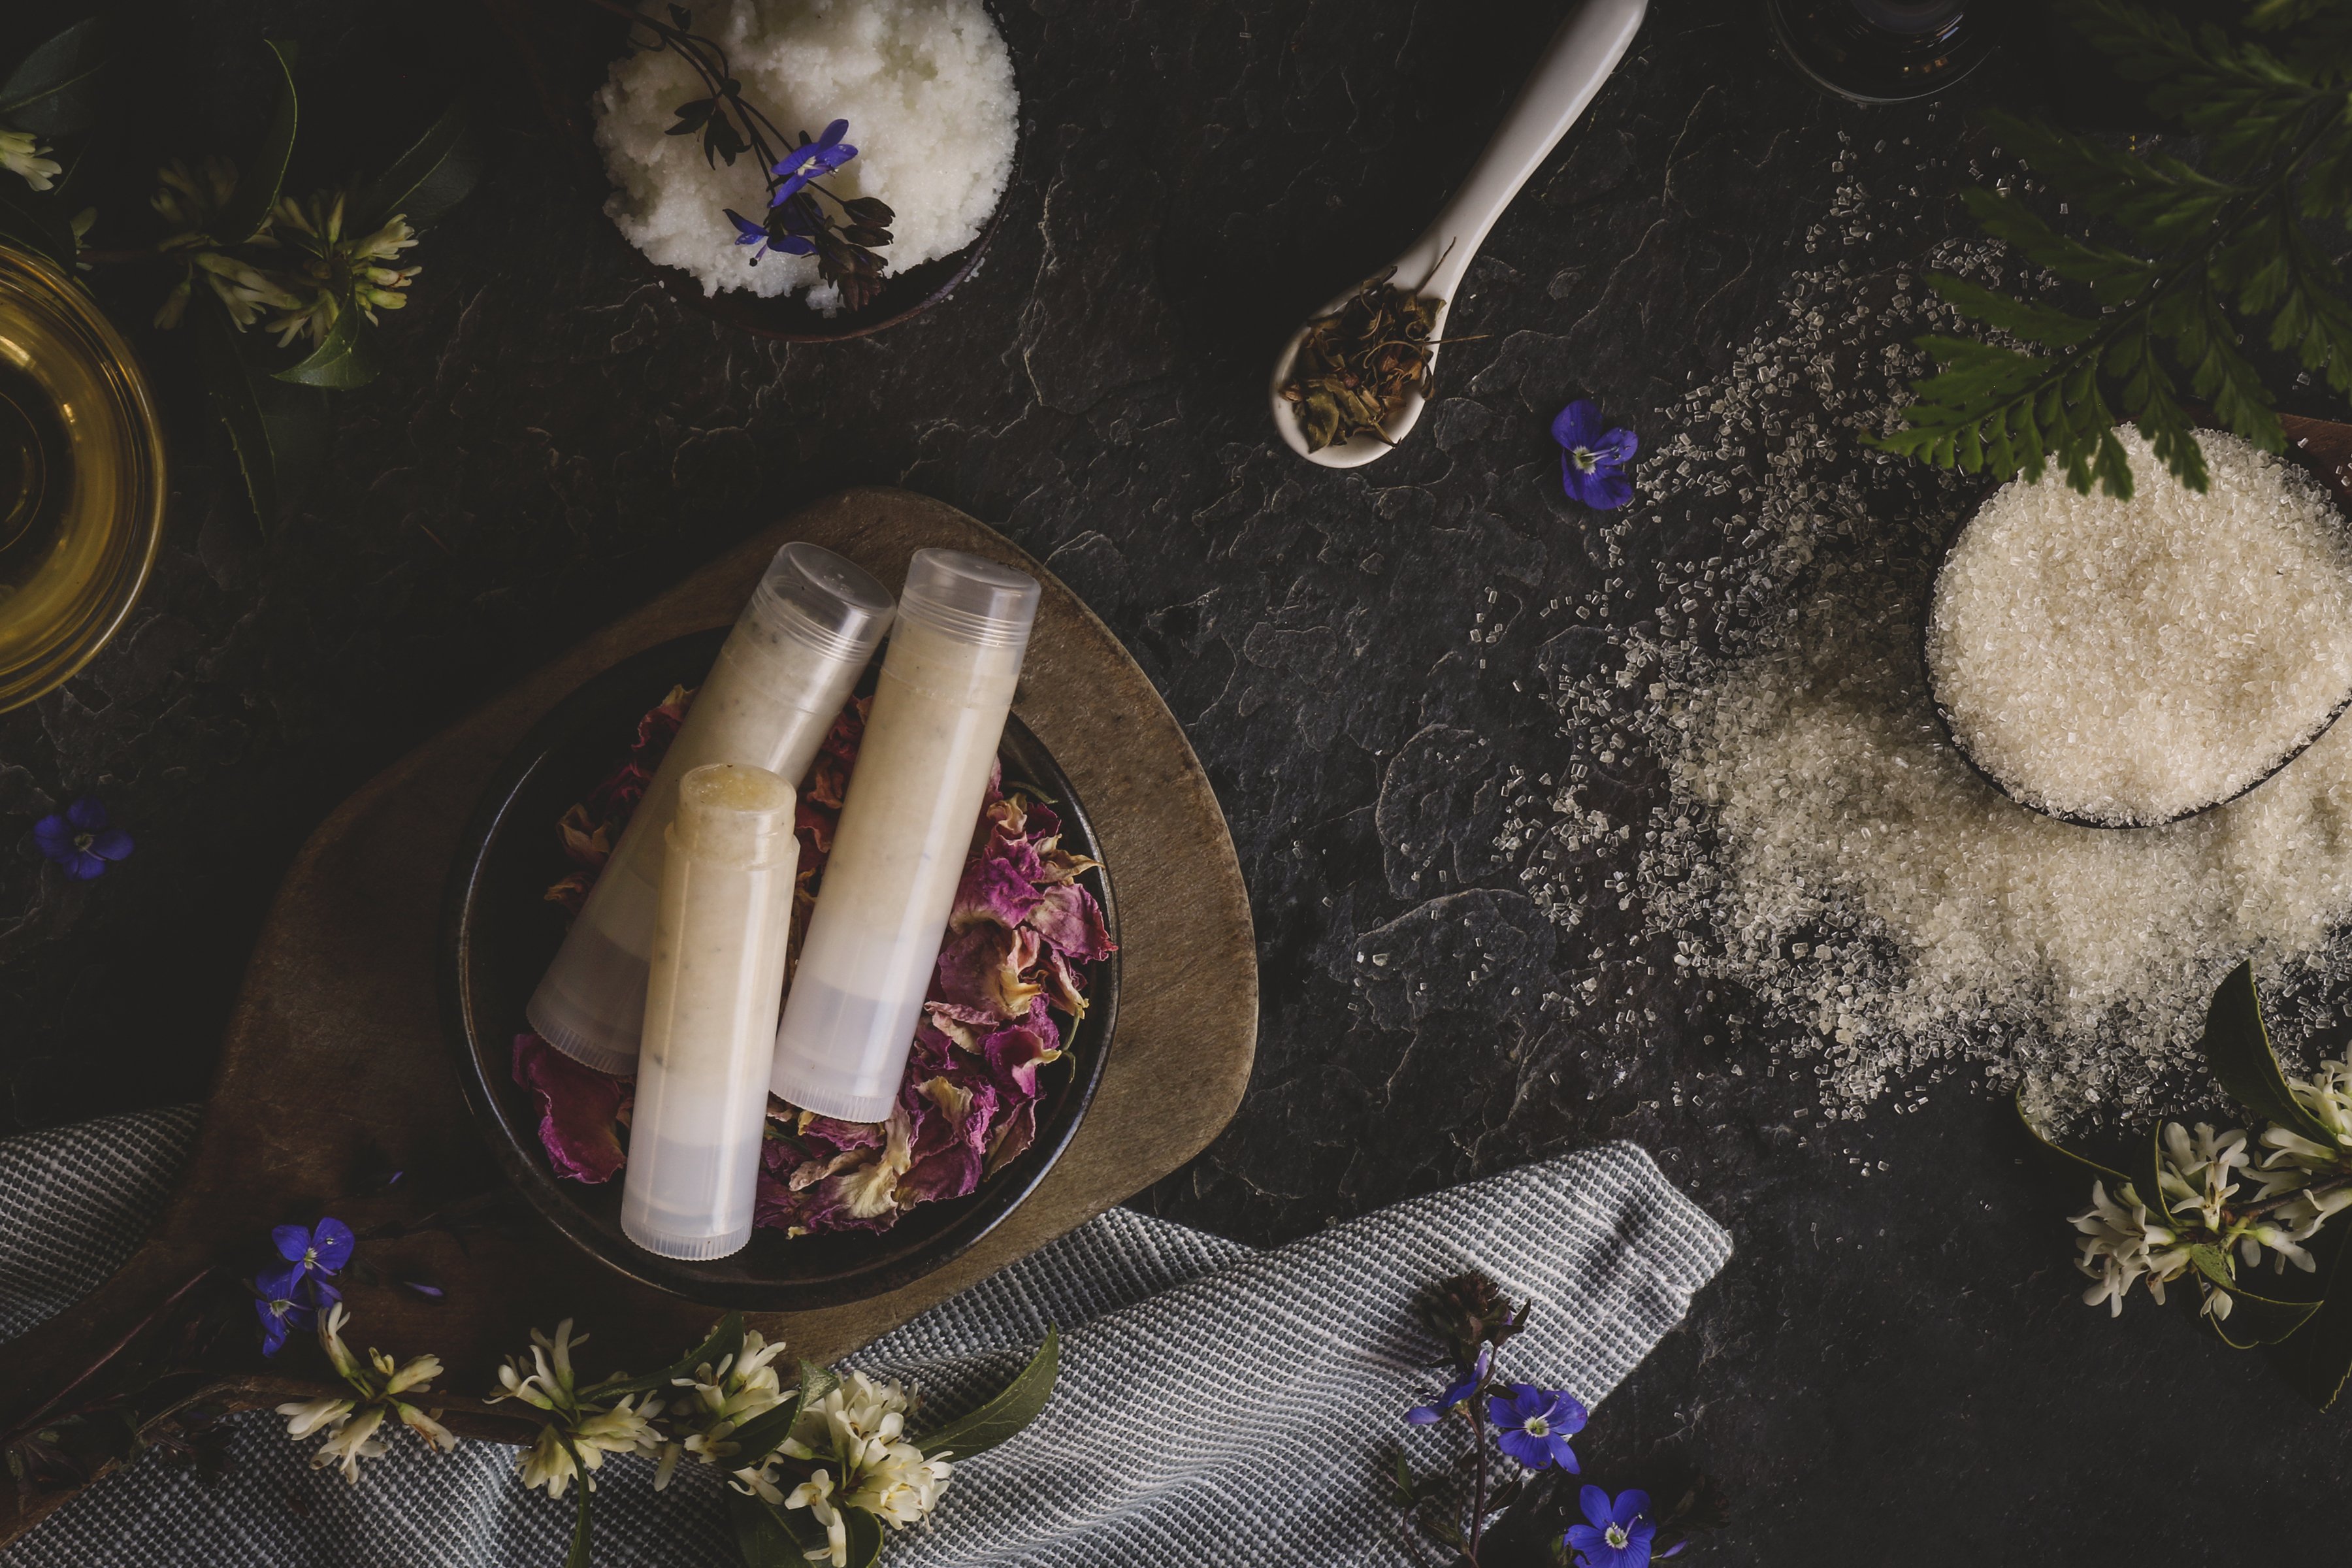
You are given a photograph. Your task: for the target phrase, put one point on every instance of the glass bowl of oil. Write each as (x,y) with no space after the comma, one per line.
(81,478)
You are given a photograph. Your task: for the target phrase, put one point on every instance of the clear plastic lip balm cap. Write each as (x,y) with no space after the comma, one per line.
(823,600)
(969,597)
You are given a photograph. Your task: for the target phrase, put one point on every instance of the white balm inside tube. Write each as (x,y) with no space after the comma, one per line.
(905,827)
(716,975)
(795,654)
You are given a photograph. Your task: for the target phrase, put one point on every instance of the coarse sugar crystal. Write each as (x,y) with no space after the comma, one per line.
(2128,661)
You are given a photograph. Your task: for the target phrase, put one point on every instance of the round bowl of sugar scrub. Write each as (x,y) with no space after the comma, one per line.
(663,197)
(2131,663)
(500,930)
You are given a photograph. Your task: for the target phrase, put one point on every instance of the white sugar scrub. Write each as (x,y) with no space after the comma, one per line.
(926,85)
(2126,662)
(1750,781)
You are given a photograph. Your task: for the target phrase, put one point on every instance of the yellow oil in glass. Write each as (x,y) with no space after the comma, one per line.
(81,478)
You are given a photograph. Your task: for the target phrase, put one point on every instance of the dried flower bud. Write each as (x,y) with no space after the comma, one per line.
(1469,1310)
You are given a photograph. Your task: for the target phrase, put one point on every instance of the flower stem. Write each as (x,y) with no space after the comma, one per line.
(1478,1476)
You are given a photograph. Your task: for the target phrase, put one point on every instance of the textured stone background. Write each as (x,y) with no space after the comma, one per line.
(1893,1369)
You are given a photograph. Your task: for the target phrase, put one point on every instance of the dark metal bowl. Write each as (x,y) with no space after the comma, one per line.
(499,933)
(567,47)
(2319,447)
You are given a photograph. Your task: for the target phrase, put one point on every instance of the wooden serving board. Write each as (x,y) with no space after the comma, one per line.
(335,1065)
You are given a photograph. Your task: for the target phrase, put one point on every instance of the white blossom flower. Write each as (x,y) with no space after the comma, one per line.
(593,1427)
(816,1494)
(350,1424)
(741,1388)
(899,1486)
(2195,1172)
(2119,1246)
(20,153)
(333,267)
(306,1416)
(350,1440)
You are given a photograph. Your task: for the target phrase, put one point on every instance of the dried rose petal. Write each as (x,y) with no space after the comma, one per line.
(580,1111)
(1067,917)
(1014,1055)
(995,887)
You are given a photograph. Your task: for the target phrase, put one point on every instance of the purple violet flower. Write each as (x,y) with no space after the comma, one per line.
(321,1251)
(79,839)
(1455,1393)
(811,161)
(279,1317)
(1533,1426)
(1618,1536)
(780,239)
(1592,460)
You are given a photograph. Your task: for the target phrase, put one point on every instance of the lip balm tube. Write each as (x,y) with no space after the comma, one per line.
(905,827)
(717,976)
(795,654)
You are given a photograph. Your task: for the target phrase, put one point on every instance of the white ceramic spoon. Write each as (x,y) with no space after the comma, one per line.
(1577,61)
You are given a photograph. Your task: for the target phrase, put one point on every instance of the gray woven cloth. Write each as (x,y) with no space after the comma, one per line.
(1217,1405)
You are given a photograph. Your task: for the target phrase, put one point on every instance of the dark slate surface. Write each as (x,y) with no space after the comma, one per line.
(1894,1367)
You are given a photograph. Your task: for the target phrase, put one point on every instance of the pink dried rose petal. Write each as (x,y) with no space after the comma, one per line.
(580,1111)
(1067,917)
(1064,987)
(995,887)
(981,969)
(1015,1131)
(1014,1055)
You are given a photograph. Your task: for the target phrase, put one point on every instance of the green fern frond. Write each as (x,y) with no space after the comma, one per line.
(2226,248)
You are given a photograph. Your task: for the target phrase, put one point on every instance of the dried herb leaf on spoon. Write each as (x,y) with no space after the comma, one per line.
(1356,366)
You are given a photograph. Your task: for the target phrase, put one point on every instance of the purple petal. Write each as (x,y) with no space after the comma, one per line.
(792,245)
(1615,447)
(1602,489)
(1630,1505)
(111,844)
(1584,1537)
(430,1292)
(791,163)
(1424,1415)
(1560,1452)
(54,837)
(280,1286)
(746,231)
(1576,425)
(87,812)
(293,1241)
(85,866)
(833,134)
(332,1239)
(1595,1504)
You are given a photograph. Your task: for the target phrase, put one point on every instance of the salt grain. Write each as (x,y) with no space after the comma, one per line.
(2130,661)
(1878,911)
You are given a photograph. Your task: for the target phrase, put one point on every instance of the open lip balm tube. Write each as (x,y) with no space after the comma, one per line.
(795,654)
(716,975)
(905,827)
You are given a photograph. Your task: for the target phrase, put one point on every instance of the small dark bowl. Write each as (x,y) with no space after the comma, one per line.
(499,933)
(568,48)
(2321,448)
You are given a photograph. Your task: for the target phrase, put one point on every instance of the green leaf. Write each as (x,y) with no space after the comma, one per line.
(2238,1050)
(771,1536)
(439,170)
(347,359)
(2260,1320)
(1013,1408)
(53,90)
(726,1340)
(2053,1146)
(2319,1360)
(38,225)
(247,207)
(865,1532)
(231,390)
(1406,1493)
(758,1437)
